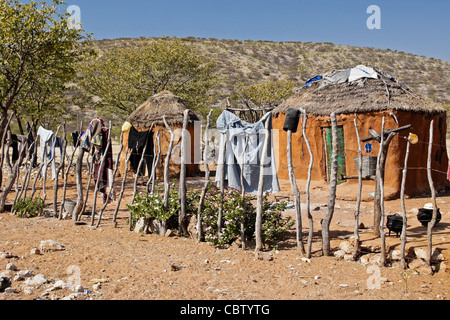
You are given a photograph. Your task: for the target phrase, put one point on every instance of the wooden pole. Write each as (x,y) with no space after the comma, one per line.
(381,186)
(207,174)
(155,162)
(3,142)
(49,163)
(102,164)
(243,245)
(260,198)
(79,181)
(166,175)
(402,197)
(432,223)
(358,200)
(122,189)
(308,184)
(25,178)
(136,178)
(90,164)
(332,190)
(116,167)
(296,193)
(182,186)
(66,174)
(60,166)
(222,180)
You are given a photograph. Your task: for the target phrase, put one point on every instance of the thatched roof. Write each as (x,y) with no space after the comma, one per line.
(153,110)
(323,97)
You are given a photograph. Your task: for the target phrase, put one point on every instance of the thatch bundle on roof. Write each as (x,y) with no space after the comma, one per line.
(153,110)
(364,95)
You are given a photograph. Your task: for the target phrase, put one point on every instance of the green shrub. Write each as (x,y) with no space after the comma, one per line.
(29,208)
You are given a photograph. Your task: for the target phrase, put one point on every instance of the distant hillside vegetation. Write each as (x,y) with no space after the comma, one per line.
(253,61)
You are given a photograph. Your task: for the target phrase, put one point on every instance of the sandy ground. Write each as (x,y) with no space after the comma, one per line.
(113,263)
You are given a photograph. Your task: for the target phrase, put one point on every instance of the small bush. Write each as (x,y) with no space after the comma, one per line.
(29,208)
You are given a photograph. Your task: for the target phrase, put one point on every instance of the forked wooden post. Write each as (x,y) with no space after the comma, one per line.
(223,148)
(243,245)
(122,189)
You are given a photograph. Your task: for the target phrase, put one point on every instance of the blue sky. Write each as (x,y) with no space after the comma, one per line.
(418,27)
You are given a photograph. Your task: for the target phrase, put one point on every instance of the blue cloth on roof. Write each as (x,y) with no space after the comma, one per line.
(235,130)
(311,81)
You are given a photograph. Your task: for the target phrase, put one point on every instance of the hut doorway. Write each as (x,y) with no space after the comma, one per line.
(136,155)
(328,145)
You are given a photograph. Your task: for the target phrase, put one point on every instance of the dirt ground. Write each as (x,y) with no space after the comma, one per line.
(113,263)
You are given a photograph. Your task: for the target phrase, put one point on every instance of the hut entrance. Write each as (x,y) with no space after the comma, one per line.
(136,155)
(328,144)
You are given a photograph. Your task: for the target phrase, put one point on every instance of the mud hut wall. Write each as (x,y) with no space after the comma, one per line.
(417,182)
(191,169)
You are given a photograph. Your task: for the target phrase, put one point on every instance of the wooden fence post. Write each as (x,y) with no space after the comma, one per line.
(381,188)
(182,184)
(432,223)
(207,174)
(260,196)
(332,190)
(163,227)
(296,193)
(402,197)
(58,170)
(358,200)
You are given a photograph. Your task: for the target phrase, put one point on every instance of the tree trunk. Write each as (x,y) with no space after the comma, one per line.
(3,125)
(332,193)
(260,196)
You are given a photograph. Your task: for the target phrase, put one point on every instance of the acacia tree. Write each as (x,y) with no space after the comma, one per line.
(36,44)
(265,93)
(124,78)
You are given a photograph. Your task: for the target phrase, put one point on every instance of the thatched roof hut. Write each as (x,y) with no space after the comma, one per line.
(367,99)
(153,110)
(150,113)
(323,97)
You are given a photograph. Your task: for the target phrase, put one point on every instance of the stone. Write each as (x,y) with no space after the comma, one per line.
(10,290)
(11,266)
(266,256)
(79,288)
(51,245)
(372,248)
(140,225)
(35,251)
(169,233)
(6,255)
(346,246)
(36,281)
(423,254)
(23,274)
(420,266)
(339,254)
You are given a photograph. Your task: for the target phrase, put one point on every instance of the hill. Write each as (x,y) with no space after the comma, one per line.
(253,61)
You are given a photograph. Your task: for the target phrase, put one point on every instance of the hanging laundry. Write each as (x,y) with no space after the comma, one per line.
(236,131)
(136,142)
(45,140)
(95,140)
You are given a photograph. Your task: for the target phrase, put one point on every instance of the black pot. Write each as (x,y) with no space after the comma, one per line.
(425,215)
(395,224)
(292,119)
